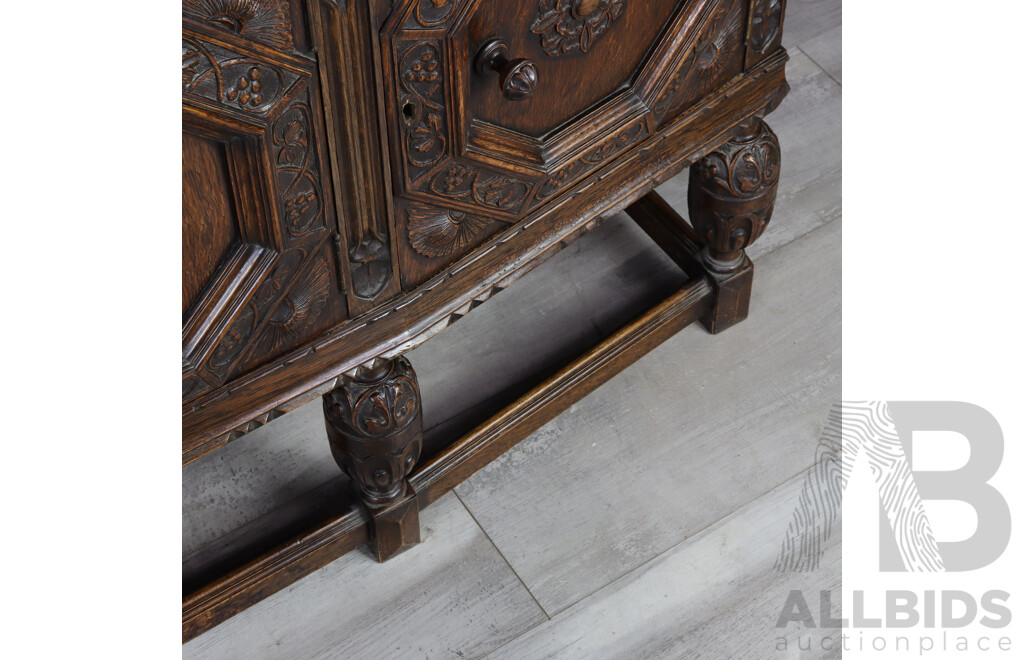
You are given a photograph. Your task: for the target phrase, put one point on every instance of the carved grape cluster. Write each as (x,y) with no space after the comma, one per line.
(247,89)
(424,70)
(297,205)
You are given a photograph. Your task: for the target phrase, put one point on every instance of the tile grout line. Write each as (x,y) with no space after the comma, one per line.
(502,555)
(815,63)
(691,537)
(688,539)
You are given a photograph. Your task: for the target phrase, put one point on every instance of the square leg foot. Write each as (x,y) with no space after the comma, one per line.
(732,297)
(396,528)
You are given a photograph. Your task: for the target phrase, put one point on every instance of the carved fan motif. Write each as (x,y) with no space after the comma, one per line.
(266,21)
(568,25)
(300,308)
(435,232)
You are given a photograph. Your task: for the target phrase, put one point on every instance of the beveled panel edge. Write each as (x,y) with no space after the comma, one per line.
(216,418)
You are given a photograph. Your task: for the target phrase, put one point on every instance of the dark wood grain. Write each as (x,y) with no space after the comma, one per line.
(269,573)
(356,178)
(400,325)
(573,81)
(208,224)
(294,559)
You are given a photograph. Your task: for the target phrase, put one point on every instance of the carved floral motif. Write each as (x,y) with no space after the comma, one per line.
(743,167)
(227,77)
(266,21)
(246,322)
(700,70)
(568,25)
(478,186)
(732,193)
(436,232)
(373,424)
(423,109)
(298,171)
(234,340)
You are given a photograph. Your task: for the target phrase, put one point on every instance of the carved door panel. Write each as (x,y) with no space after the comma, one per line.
(501,107)
(584,51)
(259,267)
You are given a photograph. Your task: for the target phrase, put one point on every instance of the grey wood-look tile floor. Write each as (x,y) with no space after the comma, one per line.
(643,522)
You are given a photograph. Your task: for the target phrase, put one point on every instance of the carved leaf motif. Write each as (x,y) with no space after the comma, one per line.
(423,110)
(370,262)
(189,61)
(382,409)
(766,21)
(295,144)
(266,21)
(435,232)
(298,172)
(432,13)
(465,182)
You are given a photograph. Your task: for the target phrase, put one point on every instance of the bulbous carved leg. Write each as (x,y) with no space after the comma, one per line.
(731,199)
(375,428)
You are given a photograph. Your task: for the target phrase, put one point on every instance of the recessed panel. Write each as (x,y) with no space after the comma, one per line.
(208,224)
(584,51)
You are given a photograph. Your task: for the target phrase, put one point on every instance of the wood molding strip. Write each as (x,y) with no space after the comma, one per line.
(546,401)
(297,558)
(287,563)
(669,231)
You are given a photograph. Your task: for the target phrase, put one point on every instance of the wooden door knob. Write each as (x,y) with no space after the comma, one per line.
(517,78)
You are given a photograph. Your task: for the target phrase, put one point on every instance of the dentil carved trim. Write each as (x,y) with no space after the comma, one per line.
(374,425)
(765,23)
(568,25)
(436,232)
(266,21)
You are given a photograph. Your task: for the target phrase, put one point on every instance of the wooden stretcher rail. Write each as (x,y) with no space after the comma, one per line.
(297,558)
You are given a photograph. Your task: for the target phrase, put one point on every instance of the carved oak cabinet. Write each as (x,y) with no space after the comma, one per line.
(359,174)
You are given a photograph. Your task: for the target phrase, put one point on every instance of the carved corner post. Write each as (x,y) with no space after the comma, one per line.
(731,199)
(375,427)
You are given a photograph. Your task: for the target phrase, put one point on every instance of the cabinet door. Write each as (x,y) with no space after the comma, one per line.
(484,141)
(259,266)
